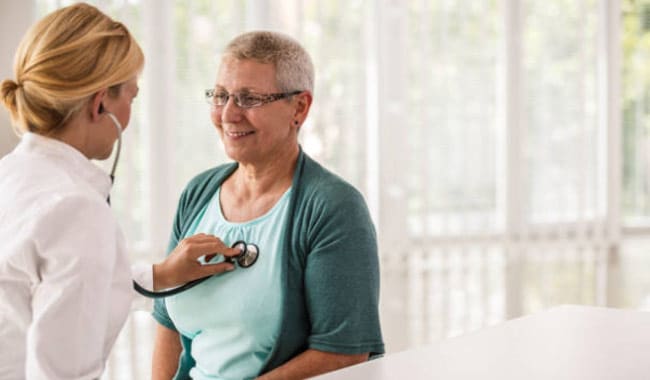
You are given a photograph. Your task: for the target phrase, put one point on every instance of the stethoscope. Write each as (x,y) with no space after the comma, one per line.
(248,253)
(119,128)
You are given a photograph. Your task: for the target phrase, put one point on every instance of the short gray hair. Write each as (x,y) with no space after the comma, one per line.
(294,68)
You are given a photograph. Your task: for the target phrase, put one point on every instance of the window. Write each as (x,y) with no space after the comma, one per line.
(484,134)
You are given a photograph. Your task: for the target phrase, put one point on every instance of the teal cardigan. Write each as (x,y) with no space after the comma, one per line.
(330,271)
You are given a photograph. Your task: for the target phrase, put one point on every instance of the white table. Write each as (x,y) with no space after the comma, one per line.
(566,342)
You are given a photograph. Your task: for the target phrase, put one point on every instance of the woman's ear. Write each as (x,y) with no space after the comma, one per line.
(303,104)
(97,104)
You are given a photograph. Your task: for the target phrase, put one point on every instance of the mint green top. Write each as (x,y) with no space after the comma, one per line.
(243,337)
(329,270)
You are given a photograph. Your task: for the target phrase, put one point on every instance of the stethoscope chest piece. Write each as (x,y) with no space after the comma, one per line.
(248,254)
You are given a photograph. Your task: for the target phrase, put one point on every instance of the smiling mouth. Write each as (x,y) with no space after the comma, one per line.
(239,134)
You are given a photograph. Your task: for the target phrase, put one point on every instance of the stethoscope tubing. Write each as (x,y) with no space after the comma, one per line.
(169,292)
(119,128)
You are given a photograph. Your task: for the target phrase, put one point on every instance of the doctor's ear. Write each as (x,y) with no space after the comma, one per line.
(96,105)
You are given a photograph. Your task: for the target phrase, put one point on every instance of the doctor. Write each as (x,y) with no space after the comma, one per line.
(65,281)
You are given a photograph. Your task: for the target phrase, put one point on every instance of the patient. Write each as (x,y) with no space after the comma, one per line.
(309,304)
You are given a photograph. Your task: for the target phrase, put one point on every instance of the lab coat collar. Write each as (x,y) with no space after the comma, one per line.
(70,158)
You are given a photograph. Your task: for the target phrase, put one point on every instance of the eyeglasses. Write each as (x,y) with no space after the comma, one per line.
(219,98)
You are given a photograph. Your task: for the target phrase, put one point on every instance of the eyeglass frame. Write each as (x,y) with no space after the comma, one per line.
(263,98)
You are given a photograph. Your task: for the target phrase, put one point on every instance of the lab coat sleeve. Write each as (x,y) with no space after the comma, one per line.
(143,274)
(77,251)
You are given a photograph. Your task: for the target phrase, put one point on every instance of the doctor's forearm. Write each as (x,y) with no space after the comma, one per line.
(312,363)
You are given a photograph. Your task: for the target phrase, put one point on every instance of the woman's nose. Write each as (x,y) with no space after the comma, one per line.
(231,112)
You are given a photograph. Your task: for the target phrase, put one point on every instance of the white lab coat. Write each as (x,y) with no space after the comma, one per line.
(65,281)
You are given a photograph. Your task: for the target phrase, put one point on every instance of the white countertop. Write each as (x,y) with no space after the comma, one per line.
(566,342)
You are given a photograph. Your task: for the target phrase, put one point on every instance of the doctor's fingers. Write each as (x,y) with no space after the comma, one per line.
(201,238)
(210,269)
(210,247)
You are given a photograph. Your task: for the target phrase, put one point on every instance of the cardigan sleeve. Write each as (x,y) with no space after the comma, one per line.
(342,275)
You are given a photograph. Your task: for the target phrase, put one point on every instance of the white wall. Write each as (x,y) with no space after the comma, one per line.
(15,18)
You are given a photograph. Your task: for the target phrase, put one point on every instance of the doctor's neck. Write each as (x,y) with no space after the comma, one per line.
(82,134)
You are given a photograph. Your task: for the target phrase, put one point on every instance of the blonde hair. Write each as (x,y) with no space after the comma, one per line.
(294,68)
(64,59)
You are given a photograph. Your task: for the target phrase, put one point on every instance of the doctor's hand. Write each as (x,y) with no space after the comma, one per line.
(182,265)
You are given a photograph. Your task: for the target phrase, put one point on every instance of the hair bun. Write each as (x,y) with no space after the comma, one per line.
(8,94)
